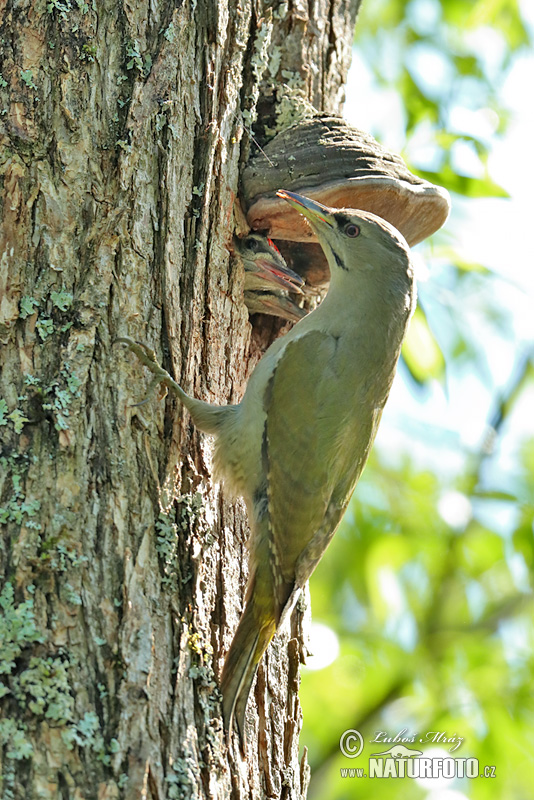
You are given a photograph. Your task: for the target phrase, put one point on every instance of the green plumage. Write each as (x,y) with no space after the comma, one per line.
(297,443)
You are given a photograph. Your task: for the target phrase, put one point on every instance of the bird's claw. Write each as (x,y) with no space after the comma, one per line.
(154,383)
(143,352)
(148,358)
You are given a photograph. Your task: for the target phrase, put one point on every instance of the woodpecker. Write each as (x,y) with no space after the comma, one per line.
(296,444)
(268,279)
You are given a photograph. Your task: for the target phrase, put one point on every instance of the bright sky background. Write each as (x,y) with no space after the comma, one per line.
(436,425)
(439,425)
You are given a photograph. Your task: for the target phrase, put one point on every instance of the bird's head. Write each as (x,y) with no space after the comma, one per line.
(357,241)
(264,265)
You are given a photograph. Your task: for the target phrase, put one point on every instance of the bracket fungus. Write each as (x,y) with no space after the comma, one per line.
(328,160)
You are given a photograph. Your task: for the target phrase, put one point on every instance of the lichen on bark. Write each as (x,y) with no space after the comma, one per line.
(123,567)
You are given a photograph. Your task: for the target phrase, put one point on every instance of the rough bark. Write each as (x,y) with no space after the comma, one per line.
(124,129)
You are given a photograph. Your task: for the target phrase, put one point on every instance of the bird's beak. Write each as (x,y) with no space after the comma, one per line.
(279,306)
(313,211)
(279,276)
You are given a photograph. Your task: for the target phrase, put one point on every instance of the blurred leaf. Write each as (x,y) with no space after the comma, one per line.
(523,377)
(462,265)
(494,494)
(503,15)
(434,621)
(463,184)
(480,549)
(421,351)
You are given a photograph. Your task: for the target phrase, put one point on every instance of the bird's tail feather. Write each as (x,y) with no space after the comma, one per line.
(249,644)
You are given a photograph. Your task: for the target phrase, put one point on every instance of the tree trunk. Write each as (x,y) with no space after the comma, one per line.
(124,128)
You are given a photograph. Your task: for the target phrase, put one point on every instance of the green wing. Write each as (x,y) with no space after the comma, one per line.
(313,447)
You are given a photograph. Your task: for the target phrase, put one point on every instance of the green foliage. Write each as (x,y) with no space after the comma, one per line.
(421,351)
(428,582)
(434,625)
(437,53)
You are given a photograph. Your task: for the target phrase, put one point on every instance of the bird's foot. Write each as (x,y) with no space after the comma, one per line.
(148,358)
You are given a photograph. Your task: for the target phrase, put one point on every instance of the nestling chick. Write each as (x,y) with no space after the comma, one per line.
(268,279)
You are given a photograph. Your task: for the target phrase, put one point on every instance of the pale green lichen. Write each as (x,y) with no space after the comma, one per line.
(18,631)
(62,7)
(45,327)
(274,61)
(124,145)
(86,734)
(26,76)
(71,595)
(88,52)
(292,105)
(61,558)
(61,299)
(58,399)
(17,628)
(38,685)
(13,737)
(54,397)
(135,59)
(168,530)
(281,11)
(169,34)
(167,545)
(27,306)
(43,688)
(260,56)
(18,418)
(259,63)
(181,779)
(18,509)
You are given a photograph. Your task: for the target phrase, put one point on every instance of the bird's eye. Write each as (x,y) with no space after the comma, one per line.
(352,231)
(252,244)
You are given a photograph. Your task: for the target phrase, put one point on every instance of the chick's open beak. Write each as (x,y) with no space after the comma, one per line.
(279,276)
(314,212)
